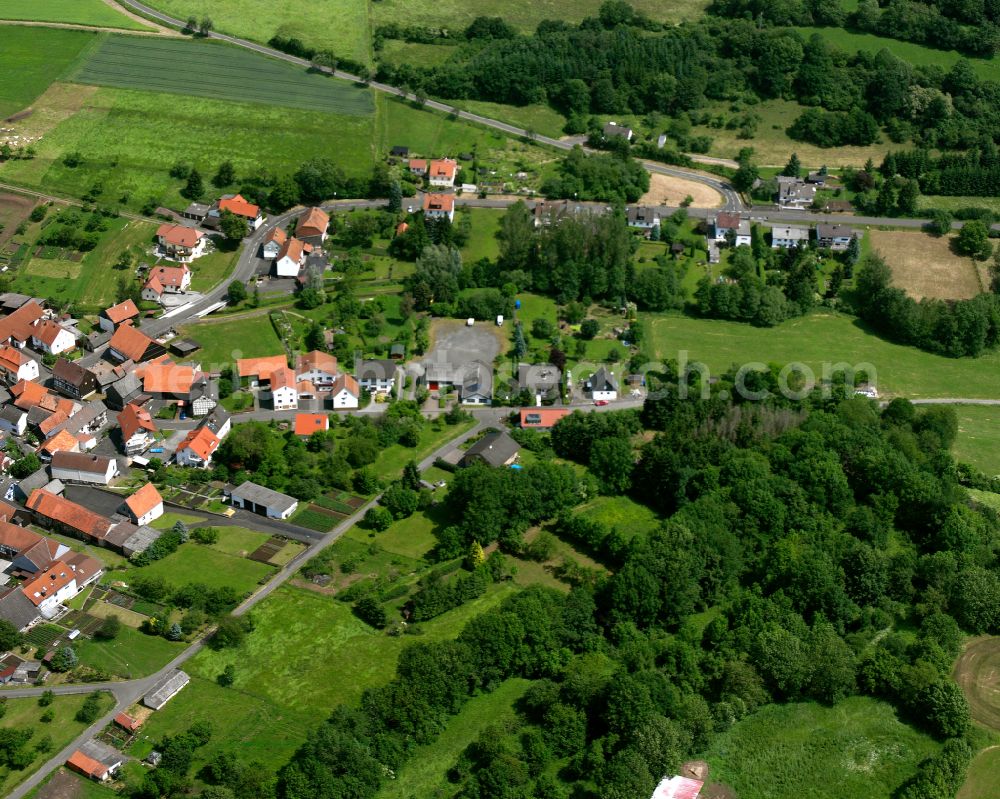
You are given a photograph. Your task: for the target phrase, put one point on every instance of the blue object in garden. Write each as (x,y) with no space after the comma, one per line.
(517,305)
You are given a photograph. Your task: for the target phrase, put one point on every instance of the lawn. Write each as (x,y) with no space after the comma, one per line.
(213,268)
(75,12)
(932,202)
(340,26)
(978,441)
(92,282)
(37,56)
(194,563)
(412,537)
(238,541)
(218,71)
(984,775)
(482,241)
(800,751)
(626,514)
(24,713)
(132,654)
(391,459)
(129,140)
(916,54)
(425,771)
(169,519)
(826,338)
(925,266)
(223,341)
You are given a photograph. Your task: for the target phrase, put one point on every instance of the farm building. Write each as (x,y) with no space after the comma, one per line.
(260,500)
(166,689)
(79,467)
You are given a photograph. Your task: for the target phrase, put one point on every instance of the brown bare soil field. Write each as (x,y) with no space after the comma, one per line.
(667,190)
(14,209)
(925,266)
(978,673)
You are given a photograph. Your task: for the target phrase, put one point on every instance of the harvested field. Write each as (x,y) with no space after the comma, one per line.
(14,210)
(667,190)
(925,266)
(978,673)
(219,72)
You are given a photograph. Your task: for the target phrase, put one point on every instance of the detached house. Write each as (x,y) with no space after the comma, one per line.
(417,166)
(613,130)
(180,243)
(78,467)
(493,449)
(235,204)
(795,193)
(197,448)
(52,338)
(312,227)
(602,386)
(376,376)
(834,237)
(284,390)
(787,236)
(15,366)
(731,226)
(345,392)
(166,280)
(73,380)
(145,505)
(273,242)
(441,172)
(439,206)
(17,326)
(308,423)
(644,218)
(319,368)
(138,429)
(292,258)
(130,344)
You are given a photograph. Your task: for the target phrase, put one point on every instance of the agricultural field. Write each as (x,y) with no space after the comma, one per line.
(824,337)
(668,190)
(219,72)
(39,56)
(925,266)
(340,26)
(978,441)
(75,12)
(425,771)
(976,672)
(983,776)
(14,209)
(797,751)
(129,140)
(928,203)
(24,713)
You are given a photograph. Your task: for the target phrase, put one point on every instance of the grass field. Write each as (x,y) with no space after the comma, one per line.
(539,118)
(626,514)
(37,56)
(193,563)
(826,338)
(340,26)
(131,654)
(483,238)
(412,537)
(975,671)
(954,203)
(212,269)
(76,12)
(425,771)
(978,441)
(129,140)
(219,72)
(916,54)
(984,775)
(800,751)
(24,713)
(222,342)
(238,541)
(391,459)
(925,266)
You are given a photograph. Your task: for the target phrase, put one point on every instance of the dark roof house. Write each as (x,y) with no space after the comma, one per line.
(493,449)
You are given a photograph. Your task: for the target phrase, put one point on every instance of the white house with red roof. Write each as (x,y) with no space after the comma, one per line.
(273,242)
(166,280)
(441,172)
(439,206)
(284,389)
(197,448)
(138,429)
(319,368)
(49,588)
(179,242)
(15,365)
(312,226)
(291,258)
(120,314)
(145,505)
(417,166)
(345,393)
(235,204)
(52,338)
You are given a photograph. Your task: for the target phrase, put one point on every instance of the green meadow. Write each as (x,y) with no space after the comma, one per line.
(37,56)
(978,441)
(76,12)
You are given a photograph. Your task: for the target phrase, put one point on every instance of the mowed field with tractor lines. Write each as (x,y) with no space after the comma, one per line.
(216,71)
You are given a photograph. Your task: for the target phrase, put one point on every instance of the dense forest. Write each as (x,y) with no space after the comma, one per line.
(621,63)
(832,544)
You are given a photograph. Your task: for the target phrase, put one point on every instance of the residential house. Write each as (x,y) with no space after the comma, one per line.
(131,344)
(28,551)
(260,500)
(795,193)
(834,237)
(602,386)
(284,391)
(319,368)
(128,723)
(73,380)
(63,441)
(441,172)
(16,328)
(197,448)
(120,314)
(235,204)
(99,769)
(24,487)
(166,689)
(138,429)
(257,371)
(128,539)
(312,227)
(203,397)
(273,242)
(196,212)
(166,380)
(345,392)
(731,227)
(308,423)
(127,390)
(180,243)
(613,129)
(541,379)
(493,449)
(417,166)
(79,467)
(788,236)
(439,206)
(541,418)
(13,420)
(166,280)
(48,589)
(52,338)
(477,386)
(145,505)
(96,339)
(376,376)
(291,258)
(548,213)
(15,366)
(642,217)
(218,421)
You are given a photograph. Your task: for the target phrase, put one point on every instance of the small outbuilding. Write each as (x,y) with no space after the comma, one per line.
(166,689)
(261,500)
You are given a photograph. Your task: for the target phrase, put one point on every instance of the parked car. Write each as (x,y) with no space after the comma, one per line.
(600,402)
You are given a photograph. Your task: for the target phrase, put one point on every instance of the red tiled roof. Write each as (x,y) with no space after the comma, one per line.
(153,284)
(63,441)
(293,248)
(168,275)
(47,331)
(68,513)
(306,387)
(83,566)
(11,358)
(17,538)
(308,423)
(282,378)
(120,312)
(179,235)
(47,582)
(725,220)
(443,168)
(439,202)
(126,722)
(260,367)
(132,419)
(314,222)
(167,377)
(276,234)
(547,417)
(346,381)
(18,325)
(320,361)
(46,426)
(239,206)
(87,766)
(144,500)
(401,228)
(201,441)
(418,163)
(130,342)
(27,395)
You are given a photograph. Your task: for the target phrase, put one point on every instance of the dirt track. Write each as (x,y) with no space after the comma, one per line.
(978,673)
